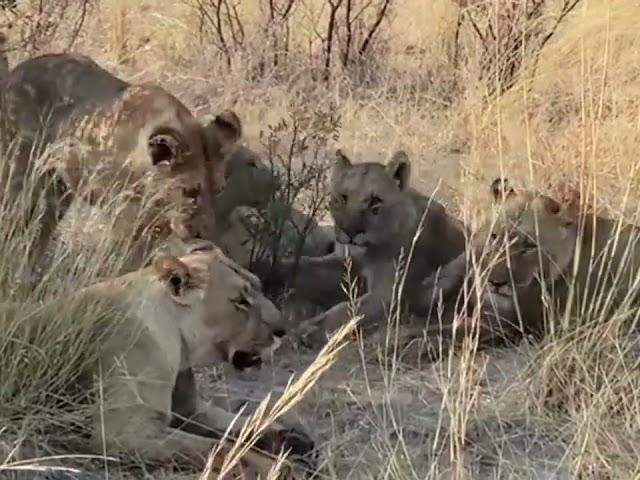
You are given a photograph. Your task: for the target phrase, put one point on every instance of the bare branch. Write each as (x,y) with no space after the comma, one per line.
(374,28)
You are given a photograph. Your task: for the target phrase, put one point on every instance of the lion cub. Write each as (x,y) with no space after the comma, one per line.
(377,212)
(538,255)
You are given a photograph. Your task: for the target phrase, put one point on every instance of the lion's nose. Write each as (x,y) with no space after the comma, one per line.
(279,332)
(352,233)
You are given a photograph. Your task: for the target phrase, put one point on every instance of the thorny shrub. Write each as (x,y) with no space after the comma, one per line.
(301,164)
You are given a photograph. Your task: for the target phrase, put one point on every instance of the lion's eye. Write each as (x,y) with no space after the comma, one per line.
(529,245)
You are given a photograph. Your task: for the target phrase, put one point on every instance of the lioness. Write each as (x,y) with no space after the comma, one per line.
(457,302)
(252,182)
(102,134)
(540,246)
(377,212)
(596,257)
(154,325)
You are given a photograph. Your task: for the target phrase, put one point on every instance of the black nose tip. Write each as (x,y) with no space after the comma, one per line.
(279,333)
(354,232)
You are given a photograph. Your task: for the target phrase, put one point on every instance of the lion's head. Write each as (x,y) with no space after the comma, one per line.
(369,201)
(228,318)
(251,181)
(169,155)
(530,235)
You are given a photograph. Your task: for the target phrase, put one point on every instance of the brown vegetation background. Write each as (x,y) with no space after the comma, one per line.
(545,92)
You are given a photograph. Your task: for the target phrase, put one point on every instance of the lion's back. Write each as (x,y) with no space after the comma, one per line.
(45,90)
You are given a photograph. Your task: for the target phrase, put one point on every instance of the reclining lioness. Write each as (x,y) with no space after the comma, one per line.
(154,325)
(540,252)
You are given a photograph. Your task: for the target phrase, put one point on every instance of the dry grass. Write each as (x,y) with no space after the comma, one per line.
(565,409)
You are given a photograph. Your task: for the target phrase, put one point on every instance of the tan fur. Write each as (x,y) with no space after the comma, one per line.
(196,310)
(240,238)
(4,61)
(83,132)
(558,243)
(455,304)
(535,246)
(376,212)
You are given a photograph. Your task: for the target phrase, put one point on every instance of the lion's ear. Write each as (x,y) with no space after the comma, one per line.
(173,273)
(342,161)
(551,206)
(501,188)
(399,167)
(224,130)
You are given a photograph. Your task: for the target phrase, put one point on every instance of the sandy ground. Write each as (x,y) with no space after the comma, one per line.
(364,419)
(373,421)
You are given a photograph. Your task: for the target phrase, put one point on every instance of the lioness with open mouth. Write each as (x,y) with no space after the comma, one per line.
(152,327)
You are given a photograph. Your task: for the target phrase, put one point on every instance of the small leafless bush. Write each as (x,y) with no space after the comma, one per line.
(346,33)
(301,165)
(219,23)
(42,22)
(508,33)
(352,30)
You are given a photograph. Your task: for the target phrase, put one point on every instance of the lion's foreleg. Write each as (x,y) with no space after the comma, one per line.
(445,283)
(452,325)
(214,422)
(138,431)
(193,415)
(371,306)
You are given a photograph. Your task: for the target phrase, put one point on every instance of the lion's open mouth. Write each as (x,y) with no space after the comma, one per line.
(242,360)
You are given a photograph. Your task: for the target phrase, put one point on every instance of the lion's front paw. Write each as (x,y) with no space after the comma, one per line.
(311,333)
(298,446)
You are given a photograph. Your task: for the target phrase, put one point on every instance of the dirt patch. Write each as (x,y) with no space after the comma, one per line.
(367,418)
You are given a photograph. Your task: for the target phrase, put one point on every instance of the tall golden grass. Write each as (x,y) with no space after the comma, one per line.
(574,120)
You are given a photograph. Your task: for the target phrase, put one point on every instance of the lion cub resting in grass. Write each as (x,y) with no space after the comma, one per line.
(252,186)
(376,212)
(148,329)
(537,247)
